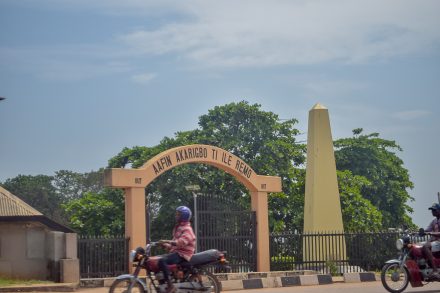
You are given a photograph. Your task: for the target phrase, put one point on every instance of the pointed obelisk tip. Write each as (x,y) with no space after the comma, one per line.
(318,106)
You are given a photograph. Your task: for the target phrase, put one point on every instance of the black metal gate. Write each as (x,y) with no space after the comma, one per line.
(225,225)
(101,257)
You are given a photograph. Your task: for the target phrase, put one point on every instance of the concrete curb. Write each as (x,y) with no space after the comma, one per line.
(229,282)
(274,282)
(239,281)
(360,277)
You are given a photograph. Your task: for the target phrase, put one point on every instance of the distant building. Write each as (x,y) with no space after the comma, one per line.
(32,246)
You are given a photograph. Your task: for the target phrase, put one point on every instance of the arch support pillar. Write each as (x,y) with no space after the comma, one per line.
(260,207)
(135,221)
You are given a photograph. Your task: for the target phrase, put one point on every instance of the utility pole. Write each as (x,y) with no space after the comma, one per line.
(194,189)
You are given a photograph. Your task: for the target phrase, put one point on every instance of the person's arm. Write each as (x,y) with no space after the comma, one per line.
(430,227)
(436,234)
(167,244)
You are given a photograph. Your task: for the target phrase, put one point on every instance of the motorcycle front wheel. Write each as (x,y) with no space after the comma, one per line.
(123,286)
(393,278)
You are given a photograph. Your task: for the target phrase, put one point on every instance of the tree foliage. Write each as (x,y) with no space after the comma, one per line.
(373,182)
(97,213)
(258,137)
(47,194)
(38,192)
(72,185)
(375,159)
(358,214)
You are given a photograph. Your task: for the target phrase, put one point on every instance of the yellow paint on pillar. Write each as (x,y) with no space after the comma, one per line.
(260,206)
(322,206)
(135,226)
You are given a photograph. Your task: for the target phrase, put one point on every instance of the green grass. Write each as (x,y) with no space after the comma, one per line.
(5,281)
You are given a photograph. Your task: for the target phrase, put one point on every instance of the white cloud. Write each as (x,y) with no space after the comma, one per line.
(63,63)
(333,88)
(144,78)
(238,33)
(411,115)
(266,33)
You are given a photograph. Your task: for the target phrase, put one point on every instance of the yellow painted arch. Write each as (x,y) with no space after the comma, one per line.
(196,153)
(134,181)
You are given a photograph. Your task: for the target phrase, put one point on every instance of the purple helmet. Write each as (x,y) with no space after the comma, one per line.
(185,214)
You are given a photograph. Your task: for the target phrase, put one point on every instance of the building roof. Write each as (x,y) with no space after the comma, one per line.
(10,205)
(13,209)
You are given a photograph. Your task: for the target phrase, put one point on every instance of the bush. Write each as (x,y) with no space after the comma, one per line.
(282,263)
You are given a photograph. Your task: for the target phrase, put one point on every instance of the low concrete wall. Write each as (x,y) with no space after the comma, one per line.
(69,271)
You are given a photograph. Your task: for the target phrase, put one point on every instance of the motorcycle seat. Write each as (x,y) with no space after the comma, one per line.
(205,257)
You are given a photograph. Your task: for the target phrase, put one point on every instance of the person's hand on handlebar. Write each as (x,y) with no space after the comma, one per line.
(167,243)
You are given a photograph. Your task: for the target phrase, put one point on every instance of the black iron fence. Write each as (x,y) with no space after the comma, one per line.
(332,253)
(102,257)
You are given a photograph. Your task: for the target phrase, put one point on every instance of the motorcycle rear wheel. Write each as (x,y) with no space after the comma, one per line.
(394,279)
(122,286)
(210,280)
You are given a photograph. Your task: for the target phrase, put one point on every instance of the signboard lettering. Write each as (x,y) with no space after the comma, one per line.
(202,154)
(161,164)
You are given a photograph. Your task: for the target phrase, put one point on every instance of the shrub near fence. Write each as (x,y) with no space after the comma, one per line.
(364,251)
(101,257)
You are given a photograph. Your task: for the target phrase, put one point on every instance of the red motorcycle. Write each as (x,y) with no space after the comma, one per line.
(188,277)
(411,266)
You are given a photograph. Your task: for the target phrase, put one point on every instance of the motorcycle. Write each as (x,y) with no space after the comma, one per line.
(411,267)
(187,277)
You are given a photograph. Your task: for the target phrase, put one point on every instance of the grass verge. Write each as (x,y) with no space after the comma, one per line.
(5,281)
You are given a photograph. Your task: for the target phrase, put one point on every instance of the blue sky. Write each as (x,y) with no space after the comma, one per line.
(83,79)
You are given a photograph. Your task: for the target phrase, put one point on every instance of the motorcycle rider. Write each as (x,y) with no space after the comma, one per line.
(181,247)
(433,245)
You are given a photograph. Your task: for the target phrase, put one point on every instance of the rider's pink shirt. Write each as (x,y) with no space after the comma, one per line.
(434,226)
(185,239)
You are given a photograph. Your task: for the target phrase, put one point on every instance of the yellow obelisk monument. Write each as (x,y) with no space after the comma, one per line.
(322,207)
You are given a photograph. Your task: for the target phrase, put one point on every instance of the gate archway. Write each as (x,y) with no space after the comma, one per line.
(134,182)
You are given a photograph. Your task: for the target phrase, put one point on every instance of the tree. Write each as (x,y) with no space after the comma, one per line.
(38,192)
(372,180)
(358,214)
(375,159)
(269,146)
(47,194)
(97,213)
(257,137)
(72,185)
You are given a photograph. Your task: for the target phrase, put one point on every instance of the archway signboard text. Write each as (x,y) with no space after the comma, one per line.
(134,181)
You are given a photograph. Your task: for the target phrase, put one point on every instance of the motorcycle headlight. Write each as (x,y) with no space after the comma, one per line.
(132,255)
(399,244)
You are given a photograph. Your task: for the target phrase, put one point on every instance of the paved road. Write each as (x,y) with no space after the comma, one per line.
(370,287)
